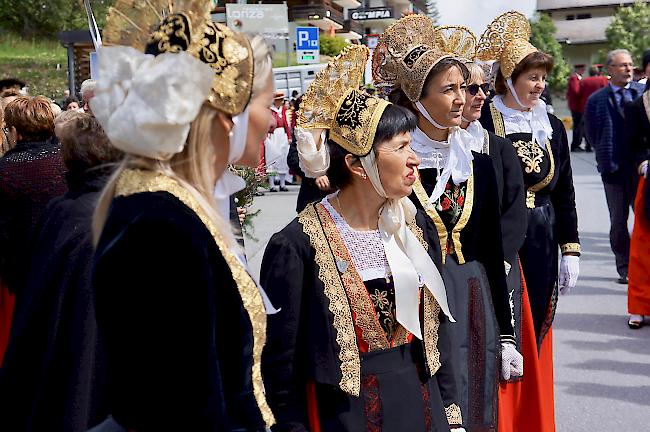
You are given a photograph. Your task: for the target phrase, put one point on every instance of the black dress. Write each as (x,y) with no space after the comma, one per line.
(467,221)
(336,359)
(637,126)
(54,372)
(510,186)
(552,217)
(183,323)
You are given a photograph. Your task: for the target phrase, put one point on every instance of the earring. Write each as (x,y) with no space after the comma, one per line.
(364,176)
(231,133)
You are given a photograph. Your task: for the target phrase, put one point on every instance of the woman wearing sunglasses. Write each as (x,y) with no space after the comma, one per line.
(458,191)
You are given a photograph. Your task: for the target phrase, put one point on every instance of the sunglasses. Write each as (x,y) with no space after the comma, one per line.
(473,89)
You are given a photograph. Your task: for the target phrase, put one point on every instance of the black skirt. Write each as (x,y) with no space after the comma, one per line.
(476,350)
(396,396)
(539,260)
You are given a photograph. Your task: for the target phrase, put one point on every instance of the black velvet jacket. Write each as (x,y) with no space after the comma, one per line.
(637,126)
(559,188)
(303,338)
(510,186)
(178,337)
(480,237)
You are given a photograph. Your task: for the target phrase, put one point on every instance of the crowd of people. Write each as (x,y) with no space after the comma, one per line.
(414,291)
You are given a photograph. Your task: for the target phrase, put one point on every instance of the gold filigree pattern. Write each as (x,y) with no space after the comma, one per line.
(646,103)
(405,54)
(339,306)
(454,416)
(506,40)
(530,154)
(499,129)
(486,142)
(134,181)
(458,41)
(464,217)
(333,101)
(570,248)
(131,22)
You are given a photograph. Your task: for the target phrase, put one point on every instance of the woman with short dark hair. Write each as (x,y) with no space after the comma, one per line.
(518,113)
(360,341)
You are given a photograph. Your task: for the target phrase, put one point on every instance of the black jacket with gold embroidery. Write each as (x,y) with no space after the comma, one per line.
(314,336)
(178,337)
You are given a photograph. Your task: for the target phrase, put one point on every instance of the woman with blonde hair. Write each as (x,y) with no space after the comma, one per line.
(183,321)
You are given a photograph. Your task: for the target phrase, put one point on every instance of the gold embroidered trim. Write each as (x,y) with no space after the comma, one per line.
(364,312)
(136,181)
(646,103)
(530,154)
(570,247)
(486,142)
(464,217)
(422,196)
(338,302)
(431,331)
(499,129)
(497,120)
(530,193)
(454,416)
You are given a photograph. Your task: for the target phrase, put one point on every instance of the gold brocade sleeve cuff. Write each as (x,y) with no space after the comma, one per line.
(570,248)
(454,417)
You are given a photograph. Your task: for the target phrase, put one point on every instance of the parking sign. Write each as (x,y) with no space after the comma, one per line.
(307,46)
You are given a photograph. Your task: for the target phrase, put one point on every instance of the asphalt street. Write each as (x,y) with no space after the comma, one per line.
(602,368)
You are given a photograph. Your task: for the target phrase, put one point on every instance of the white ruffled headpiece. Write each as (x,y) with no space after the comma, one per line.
(146,104)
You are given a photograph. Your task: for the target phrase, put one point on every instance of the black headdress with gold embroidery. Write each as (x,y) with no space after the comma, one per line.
(160,26)
(334,101)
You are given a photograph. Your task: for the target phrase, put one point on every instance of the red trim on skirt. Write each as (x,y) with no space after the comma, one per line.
(638,289)
(7,300)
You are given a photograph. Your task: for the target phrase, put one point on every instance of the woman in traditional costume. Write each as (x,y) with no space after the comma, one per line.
(361,339)
(518,113)
(458,190)
(637,123)
(183,322)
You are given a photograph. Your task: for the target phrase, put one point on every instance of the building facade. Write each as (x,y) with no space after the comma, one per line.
(581,26)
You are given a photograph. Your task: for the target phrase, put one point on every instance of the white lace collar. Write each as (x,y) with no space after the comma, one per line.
(535,121)
(432,153)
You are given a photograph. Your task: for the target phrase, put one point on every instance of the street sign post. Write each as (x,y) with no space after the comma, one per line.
(307,46)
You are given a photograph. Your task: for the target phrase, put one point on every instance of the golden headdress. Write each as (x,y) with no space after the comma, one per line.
(334,101)
(405,54)
(506,40)
(458,41)
(159,26)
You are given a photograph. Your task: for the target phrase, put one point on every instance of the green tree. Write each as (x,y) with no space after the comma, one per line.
(331,45)
(44,18)
(630,29)
(543,38)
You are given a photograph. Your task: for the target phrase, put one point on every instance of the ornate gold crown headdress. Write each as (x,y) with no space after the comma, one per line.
(334,101)
(458,41)
(405,54)
(160,26)
(506,40)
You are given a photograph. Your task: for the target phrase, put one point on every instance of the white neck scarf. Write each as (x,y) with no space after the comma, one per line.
(459,162)
(475,129)
(406,256)
(537,116)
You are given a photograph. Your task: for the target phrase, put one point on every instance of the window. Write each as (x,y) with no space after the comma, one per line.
(583,16)
(570,17)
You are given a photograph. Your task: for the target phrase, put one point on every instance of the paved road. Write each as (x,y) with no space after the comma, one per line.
(602,368)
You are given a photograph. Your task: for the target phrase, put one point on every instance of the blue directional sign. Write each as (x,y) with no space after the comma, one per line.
(307,46)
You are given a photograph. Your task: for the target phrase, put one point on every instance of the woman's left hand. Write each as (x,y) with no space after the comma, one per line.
(512,362)
(569,271)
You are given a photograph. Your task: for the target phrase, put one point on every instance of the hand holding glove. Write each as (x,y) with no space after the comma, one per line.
(569,271)
(512,362)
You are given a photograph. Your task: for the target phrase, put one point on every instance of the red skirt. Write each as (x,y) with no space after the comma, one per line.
(7,299)
(638,289)
(527,405)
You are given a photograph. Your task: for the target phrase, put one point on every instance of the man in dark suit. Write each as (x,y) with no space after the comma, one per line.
(573,99)
(605,127)
(588,86)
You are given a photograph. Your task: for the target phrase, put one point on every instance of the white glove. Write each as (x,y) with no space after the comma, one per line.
(569,271)
(512,362)
(458,430)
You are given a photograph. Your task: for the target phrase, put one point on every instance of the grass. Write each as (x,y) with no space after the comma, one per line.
(41,63)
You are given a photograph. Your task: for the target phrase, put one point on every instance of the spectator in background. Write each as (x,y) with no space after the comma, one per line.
(31,174)
(588,86)
(71,103)
(573,99)
(4,135)
(54,374)
(276,145)
(645,64)
(87,92)
(605,127)
(66,95)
